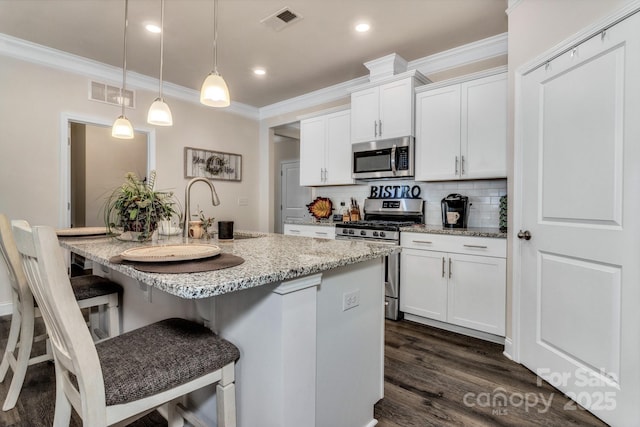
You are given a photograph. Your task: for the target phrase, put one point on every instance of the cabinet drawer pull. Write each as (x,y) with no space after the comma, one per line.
(422,241)
(322,233)
(442,266)
(294,231)
(475,246)
(450,268)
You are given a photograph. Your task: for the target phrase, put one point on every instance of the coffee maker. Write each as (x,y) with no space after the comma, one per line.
(455,210)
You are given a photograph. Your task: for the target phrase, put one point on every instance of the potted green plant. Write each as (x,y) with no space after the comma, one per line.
(135,208)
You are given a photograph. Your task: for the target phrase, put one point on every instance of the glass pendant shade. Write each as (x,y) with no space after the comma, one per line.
(214,92)
(159,113)
(122,128)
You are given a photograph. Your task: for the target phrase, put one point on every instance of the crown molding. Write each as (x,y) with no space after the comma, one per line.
(473,52)
(53,58)
(64,61)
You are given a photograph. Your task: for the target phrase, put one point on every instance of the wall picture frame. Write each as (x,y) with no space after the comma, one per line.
(200,162)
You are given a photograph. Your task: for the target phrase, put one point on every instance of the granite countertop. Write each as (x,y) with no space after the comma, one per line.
(470,231)
(269,258)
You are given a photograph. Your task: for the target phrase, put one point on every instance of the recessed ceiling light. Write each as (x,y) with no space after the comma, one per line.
(259,71)
(362,27)
(152,28)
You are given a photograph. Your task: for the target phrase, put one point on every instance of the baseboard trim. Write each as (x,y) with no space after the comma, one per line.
(457,329)
(508,348)
(6,308)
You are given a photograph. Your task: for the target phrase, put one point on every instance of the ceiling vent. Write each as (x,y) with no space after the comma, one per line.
(281,19)
(111,94)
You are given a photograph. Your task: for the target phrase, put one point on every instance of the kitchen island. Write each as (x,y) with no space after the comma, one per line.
(306,314)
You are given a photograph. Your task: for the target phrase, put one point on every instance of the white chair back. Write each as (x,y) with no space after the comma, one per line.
(73,348)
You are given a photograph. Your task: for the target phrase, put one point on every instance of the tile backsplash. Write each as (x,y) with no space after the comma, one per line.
(484,197)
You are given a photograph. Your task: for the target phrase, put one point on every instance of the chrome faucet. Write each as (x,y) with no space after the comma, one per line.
(187,202)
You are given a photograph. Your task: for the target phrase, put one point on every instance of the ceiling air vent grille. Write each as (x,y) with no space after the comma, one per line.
(103,92)
(281,19)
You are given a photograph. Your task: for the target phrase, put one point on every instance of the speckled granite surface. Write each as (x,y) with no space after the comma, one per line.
(270,258)
(475,232)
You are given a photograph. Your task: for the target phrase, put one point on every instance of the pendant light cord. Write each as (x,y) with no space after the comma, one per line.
(124,55)
(161,44)
(215,36)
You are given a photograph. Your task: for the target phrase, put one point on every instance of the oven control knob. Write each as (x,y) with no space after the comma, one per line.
(350,231)
(363,233)
(382,234)
(375,234)
(345,231)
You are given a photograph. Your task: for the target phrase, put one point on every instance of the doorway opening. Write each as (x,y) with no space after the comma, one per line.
(93,163)
(290,198)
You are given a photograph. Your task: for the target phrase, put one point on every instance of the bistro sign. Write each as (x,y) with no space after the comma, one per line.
(395,192)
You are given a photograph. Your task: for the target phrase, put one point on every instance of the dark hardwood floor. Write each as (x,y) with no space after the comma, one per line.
(438,378)
(432,378)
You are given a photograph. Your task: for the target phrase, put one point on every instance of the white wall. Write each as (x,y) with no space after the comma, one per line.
(32,99)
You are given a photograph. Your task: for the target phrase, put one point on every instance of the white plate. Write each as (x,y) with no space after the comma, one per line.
(81,231)
(169,253)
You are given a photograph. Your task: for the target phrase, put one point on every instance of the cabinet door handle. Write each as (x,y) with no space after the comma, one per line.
(325,175)
(380,127)
(450,268)
(475,246)
(442,266)
(375,128)
(462,165)
(422,241)
(456,165)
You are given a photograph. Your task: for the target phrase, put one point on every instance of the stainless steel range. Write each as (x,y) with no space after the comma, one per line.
(382,221)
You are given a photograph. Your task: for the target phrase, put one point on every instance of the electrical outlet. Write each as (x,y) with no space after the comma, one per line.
(350,299)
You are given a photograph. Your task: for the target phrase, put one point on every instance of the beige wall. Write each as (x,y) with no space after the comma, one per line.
(536,26)
(107,162)
(32,99)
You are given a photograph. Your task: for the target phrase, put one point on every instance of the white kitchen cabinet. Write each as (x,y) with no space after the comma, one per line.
(318,231)
(385,110)
(461,129)
(455,279)
(325,150)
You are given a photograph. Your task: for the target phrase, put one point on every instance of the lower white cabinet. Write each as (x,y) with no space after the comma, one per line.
(465,288)
(319,231)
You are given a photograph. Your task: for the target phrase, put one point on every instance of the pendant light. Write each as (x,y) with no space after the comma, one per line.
(122,126)
(215,92)
(159,112)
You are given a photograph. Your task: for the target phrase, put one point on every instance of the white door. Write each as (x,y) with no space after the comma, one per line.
(580,272)
(424,283)
(438,134)
(293,196)
(483,142)
(396,109)
(477,292)
(312,150)
(364,115)
(338,152)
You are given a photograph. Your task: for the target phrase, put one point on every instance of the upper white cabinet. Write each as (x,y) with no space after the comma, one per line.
(461,129)
(385,109)
(325,150)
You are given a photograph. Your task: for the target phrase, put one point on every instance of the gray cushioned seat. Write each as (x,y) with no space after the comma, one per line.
(90,286)
(158,357)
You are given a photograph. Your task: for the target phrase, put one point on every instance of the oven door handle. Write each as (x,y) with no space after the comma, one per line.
(393,159)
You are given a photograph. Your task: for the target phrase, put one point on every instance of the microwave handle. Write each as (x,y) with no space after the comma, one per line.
(393,159)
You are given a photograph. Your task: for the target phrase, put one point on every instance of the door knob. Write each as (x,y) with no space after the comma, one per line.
(524,235)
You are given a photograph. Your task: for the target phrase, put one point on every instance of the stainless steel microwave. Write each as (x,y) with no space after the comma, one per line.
(387,158)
